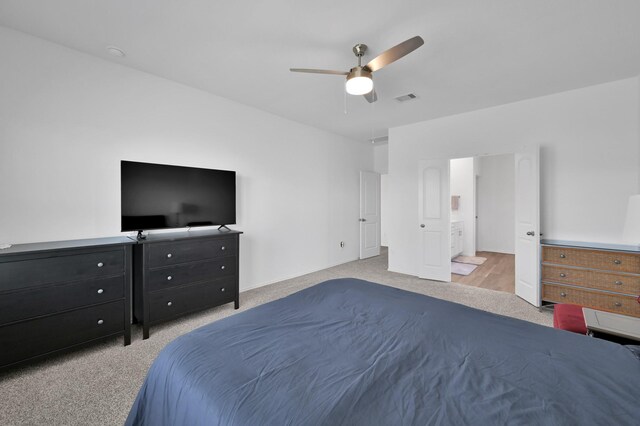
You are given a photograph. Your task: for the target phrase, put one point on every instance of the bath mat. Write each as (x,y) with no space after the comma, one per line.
(473,260)
(462,268)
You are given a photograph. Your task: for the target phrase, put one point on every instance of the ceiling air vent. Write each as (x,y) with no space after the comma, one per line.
(405,98)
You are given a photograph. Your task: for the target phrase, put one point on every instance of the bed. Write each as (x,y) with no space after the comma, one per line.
(352,352)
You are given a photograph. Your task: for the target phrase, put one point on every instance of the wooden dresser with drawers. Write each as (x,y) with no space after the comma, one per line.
(600,276)
(59,295)
(183,272)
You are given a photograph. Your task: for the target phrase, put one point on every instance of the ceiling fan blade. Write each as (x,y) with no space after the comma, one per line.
(318,71)
(395,53)
(372,96)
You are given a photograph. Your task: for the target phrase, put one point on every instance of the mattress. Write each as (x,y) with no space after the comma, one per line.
(351,352)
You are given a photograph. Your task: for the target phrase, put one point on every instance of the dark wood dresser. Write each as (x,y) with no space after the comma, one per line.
(605,277)
(58,295)
(182,272)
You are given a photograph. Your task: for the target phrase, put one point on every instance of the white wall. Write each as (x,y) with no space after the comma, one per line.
(462,182)
(496,203)
(381,165)
(589,160)
(384,210)
(381,158)
(67,119)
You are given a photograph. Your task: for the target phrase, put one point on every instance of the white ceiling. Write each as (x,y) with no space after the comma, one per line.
(476,54)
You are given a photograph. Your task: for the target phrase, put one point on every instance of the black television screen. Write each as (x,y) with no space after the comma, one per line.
(156,196)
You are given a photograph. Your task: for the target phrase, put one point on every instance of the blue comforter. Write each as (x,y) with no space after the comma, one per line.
(351,352)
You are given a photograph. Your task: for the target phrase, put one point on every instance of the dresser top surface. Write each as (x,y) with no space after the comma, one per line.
(588,245)
(182,235)
(62,245)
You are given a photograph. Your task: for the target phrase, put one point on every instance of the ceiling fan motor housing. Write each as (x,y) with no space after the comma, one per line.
(359,81)
(359,49)
(359,72)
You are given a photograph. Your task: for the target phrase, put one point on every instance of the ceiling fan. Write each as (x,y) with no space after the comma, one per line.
(359,78)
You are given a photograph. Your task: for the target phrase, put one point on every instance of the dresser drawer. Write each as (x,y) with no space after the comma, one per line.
(172,253)
(33,272)
(27,339)
(593,259)
(621,304)
(620,283)
(173,302)
(24,304)
(173,276)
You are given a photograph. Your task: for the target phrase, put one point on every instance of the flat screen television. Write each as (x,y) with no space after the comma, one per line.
(158,196)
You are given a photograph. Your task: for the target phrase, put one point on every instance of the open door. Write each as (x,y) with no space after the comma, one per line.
(369,214)
(434,222)
(528,225)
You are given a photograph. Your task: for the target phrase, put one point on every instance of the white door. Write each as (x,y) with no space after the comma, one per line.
(434,223)
(528,225)
(369,214)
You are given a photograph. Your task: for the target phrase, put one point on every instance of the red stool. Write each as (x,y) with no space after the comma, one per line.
(569,317)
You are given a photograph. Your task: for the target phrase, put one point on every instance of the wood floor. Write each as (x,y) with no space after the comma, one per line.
(497,273)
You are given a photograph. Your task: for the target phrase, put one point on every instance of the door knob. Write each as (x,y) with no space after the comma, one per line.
(531,233)
(363,220)
(422,225)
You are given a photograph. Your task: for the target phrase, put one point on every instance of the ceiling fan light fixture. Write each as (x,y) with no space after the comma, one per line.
(359,82)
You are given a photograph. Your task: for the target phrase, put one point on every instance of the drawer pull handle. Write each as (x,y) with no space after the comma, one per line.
(222,248)
(169,255)
(100,291)
(563,294)
(222,267)
(618,283)
(618,304)
(169,277)
(169,303)
(100,264)
(562,275)
(100,322)
(617,262)
(562,256)
(222,289)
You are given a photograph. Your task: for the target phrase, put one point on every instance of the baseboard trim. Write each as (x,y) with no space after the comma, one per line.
(495,251)
(296,275)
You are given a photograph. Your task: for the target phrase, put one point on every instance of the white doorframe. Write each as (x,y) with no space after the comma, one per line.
(467,213)
(530,257)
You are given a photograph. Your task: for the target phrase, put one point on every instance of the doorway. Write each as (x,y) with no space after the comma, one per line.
(439,235)
(483,221)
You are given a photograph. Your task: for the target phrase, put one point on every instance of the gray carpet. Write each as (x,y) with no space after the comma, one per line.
(96,386)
